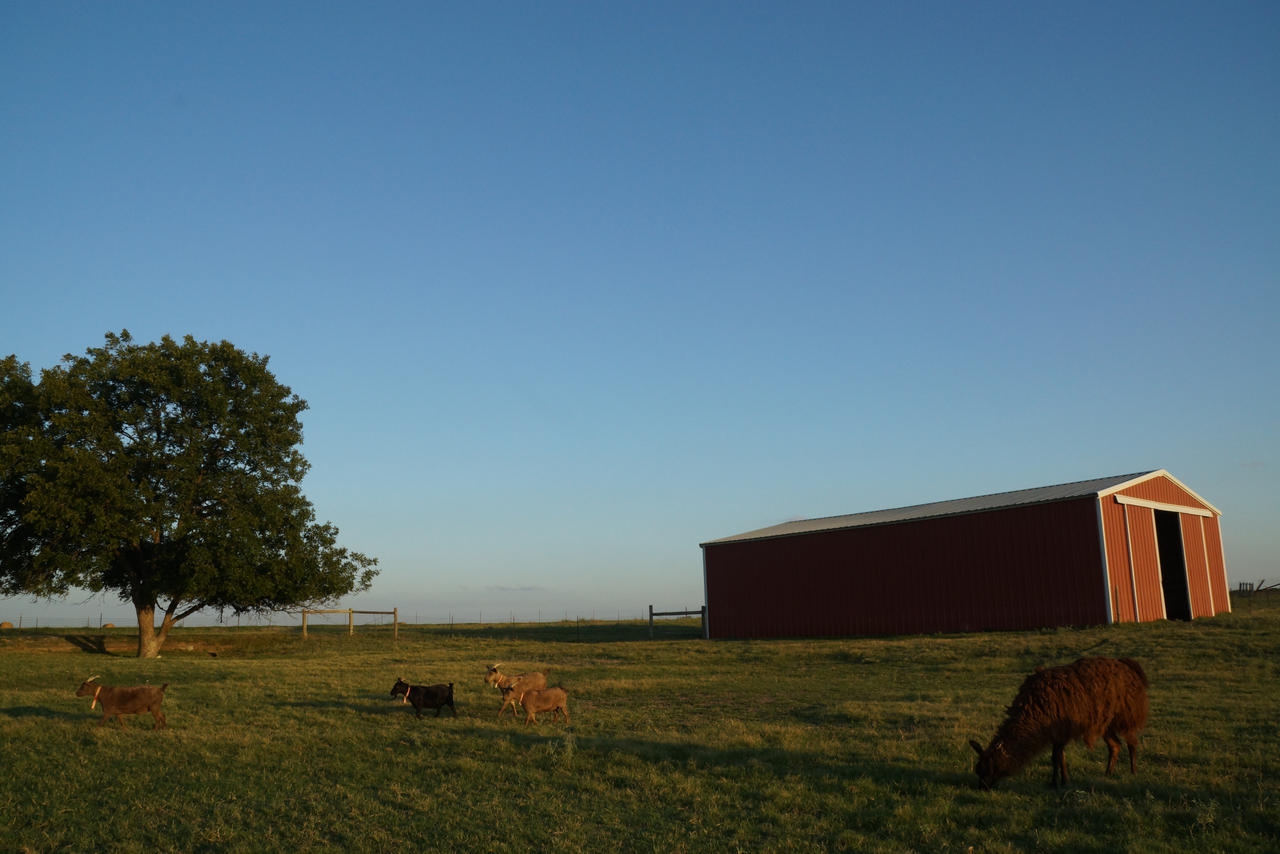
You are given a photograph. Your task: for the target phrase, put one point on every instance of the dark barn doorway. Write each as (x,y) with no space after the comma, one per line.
(1173,566)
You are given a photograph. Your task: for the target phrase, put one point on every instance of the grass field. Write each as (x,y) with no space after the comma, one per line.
(678,744)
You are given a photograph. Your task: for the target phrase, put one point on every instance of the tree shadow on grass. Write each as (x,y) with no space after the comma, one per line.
(96,644)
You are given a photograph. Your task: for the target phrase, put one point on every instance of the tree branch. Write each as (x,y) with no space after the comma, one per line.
(189,611)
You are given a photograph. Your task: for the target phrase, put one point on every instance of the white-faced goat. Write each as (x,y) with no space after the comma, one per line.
(118,701)
(425,696)
(514,688)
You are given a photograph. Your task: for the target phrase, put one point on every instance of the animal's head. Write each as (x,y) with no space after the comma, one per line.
(493,677)
(87,687)
(401,687)
(992,764)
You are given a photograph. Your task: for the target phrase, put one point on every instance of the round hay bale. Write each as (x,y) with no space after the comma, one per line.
(108,625)
(6,625)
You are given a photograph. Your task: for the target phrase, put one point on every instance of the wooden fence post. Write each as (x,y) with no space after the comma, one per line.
(351,622)
(650,622)
(395,624)
(304,622)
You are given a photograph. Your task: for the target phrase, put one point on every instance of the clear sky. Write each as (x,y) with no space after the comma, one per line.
(572,288)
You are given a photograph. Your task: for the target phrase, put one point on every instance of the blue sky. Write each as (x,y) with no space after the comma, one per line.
(571,288)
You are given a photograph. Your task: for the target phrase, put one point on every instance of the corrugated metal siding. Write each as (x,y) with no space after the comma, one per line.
(1165,491)
(1005,561)
(1197,569)
(1217,567)
(1146,562)
(1202,549)
(1019,568)
(1120,579)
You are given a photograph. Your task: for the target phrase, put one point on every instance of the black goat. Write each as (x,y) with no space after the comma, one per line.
(425,696)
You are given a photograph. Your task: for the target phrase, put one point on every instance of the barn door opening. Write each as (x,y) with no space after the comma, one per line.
(1173,566)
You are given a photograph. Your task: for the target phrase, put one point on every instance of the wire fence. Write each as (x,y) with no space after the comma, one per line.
(36,618)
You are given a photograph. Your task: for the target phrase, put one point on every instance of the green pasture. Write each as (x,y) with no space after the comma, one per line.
(677,744)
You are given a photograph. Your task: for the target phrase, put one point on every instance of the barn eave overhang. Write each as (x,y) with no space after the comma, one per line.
(1095,490)
(890,522)
(1120,487)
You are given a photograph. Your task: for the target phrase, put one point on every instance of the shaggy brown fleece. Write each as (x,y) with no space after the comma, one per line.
(1089,698)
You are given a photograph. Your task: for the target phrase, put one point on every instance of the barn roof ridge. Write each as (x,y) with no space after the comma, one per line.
(953,507)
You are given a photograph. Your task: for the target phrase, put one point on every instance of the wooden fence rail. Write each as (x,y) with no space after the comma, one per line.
(701,612)
(351,619)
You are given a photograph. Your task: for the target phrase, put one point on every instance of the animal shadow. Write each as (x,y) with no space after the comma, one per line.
(38,712)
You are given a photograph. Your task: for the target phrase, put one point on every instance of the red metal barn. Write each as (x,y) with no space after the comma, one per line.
(1129,548)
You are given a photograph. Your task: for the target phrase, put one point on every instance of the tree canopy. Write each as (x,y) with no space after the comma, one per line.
(168,473)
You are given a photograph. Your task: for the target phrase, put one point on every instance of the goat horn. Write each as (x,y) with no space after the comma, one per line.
(91,678)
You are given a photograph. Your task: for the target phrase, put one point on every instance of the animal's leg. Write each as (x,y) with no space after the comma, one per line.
(1133,754)
(1113,751)
(1059,764)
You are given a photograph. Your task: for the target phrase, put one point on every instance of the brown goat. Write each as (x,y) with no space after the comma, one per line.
(118,701)
(513,688)
(553,700)
(1089,698)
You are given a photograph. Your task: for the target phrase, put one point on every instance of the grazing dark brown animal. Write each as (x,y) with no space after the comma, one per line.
(553,700)
(513,688)
(425,696)
(1089,698)
(118,701)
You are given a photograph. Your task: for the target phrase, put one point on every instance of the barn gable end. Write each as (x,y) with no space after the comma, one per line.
(1119,549)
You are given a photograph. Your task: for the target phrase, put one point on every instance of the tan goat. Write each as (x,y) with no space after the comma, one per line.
(553,700)
(513,688)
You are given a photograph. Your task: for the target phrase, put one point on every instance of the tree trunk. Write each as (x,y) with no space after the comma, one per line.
(151,639)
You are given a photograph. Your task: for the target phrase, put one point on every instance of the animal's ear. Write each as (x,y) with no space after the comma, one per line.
(976,746)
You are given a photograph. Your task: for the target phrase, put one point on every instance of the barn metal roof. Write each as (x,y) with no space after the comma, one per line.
(957,507)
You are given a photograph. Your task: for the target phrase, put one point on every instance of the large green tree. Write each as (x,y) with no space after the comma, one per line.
(168,473)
